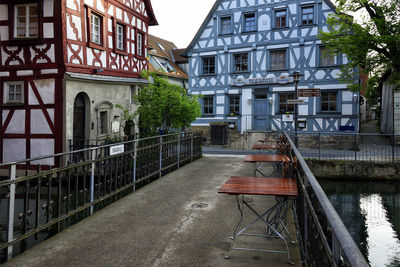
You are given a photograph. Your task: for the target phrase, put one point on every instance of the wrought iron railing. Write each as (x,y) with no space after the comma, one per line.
(67,187)
(350,146)
(325,241)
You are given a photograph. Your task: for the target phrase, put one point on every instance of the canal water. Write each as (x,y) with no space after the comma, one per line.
(371,213)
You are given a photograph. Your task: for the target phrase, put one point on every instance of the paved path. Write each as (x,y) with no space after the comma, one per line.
(157,226)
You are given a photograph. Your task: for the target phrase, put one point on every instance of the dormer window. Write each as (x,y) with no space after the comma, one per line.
(26,21)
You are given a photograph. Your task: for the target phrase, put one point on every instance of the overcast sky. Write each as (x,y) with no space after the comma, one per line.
(179,20)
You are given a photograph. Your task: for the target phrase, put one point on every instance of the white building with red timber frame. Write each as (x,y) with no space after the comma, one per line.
(64,65)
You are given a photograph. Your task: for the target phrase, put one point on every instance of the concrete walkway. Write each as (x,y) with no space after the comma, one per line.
(158,226)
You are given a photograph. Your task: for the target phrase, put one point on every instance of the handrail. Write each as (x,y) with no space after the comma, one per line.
(339,231)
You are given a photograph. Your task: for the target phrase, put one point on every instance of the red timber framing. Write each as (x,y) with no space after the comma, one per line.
(63,46)
(29,60)
(82,55)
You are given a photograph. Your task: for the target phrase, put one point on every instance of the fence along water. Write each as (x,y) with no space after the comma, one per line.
(324,238)
(39,200)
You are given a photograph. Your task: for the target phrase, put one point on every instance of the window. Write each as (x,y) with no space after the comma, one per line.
(208,65)
(14,93)
(120,36)
(241,62)
(329,101)
(139,44)
(95,29)
(280,18)
(234,105)
(103,122)
(167,67)
(249,22)
(208,105)
(307,15)
(284,107)
(326,58)
(226,25)
(278,60)
(26,21)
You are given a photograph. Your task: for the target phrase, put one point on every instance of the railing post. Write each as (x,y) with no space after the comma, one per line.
(134,164)
(11,210)
(393,142)
(191,146)
(319,146)
(179,149)
(92,180)
(355,147)
(161,147)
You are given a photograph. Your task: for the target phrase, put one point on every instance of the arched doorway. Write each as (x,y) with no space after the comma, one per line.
(79,132)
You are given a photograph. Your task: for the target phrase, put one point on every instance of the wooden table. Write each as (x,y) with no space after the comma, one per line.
(266,147)
(256,159)
(274,218)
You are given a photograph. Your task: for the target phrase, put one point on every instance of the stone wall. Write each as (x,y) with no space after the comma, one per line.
(335,169)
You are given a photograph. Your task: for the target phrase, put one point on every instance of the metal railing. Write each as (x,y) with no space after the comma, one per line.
(36,204)
(350,146)
(325,241)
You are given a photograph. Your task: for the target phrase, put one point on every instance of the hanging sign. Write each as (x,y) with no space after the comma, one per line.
(315,92)
(115,150)
(295,101)
(241,81)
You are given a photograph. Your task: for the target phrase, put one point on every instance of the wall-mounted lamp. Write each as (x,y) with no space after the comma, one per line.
(270,100)
(355,97)
(249,100)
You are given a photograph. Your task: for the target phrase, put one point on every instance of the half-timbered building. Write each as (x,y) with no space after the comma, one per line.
(241,60)
(64,65)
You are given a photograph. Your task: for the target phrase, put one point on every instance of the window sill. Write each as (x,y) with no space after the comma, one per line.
(241,72)
(280,28)
(249,32)
(308,25)
(24,41)
(96,46)
(225,34)
(208,75)
(208,116)
(11,104)
(141,57)
(329,67)
(329,112)
(120,52)
(278,70)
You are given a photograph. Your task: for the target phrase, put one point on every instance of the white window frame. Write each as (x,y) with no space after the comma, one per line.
(120,36)
(28,24)
(95,30)
(139,44)
(8,86)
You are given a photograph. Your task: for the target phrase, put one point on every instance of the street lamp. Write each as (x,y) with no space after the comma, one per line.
(296,78)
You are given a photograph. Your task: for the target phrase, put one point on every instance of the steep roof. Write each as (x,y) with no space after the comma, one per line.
(177,55)
(150,13)
(166,50)
(209,17)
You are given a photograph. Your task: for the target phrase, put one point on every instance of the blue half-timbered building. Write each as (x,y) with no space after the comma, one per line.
(241,60)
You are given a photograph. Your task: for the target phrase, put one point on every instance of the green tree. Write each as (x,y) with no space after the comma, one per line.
(163,106)
(371,42)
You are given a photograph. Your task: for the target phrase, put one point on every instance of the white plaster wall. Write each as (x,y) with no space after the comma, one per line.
(4,31)
(39,124)
(347,109)
(14,150)
(97,92)
(48,8)
(46,89)
(42,147)
(3,12)
(246,109)
(17,123)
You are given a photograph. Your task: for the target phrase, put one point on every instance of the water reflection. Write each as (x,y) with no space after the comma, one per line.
(371,212)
